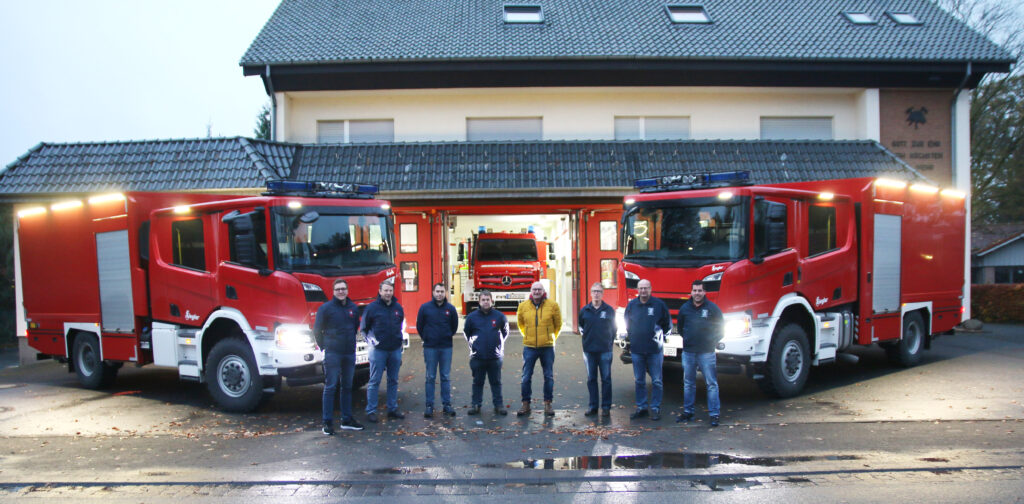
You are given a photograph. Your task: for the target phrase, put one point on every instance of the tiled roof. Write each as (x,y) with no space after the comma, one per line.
(986,237)
(446,169)
(359,31)
(152,165)
(471,166)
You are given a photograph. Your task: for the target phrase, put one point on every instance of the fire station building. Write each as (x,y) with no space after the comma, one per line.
(480,114)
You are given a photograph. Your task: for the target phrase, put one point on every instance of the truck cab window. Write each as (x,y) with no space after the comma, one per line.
(188,245)
(821,229)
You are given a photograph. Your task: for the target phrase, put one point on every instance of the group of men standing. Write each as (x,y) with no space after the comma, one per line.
(486,329)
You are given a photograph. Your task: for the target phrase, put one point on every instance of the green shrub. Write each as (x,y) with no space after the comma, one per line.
(997,302)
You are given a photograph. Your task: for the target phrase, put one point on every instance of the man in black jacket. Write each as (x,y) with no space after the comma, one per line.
(382,327)
(700,323)
(436,323)
(335,329)
(597,324)
(647,322)
(486,330)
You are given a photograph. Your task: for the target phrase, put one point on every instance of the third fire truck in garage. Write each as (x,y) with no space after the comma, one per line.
(506,264)
(802,271)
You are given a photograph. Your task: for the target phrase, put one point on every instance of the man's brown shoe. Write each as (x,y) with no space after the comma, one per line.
(525,410)
(548,410)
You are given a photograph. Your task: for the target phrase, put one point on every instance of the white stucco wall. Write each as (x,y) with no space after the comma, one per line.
(578,113)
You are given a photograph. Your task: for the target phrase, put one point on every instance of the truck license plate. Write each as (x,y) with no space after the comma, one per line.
(668,351)
(362,358)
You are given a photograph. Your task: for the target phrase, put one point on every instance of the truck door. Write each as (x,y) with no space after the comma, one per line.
(420,259)
(182,282)
(240,284)
(827,274)
(774,272)
(600,256)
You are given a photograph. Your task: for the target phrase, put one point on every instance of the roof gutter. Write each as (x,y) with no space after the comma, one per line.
(268,84)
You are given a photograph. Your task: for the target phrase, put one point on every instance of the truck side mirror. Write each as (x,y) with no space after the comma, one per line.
(462,252)
(551,256)
(776,229)
(244,240)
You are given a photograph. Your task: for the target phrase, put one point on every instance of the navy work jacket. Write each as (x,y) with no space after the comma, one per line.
(642,323)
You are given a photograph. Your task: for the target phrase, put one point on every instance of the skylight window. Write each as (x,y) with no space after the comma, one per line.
(860,18)
(687,14)
(904,18)
(523,14)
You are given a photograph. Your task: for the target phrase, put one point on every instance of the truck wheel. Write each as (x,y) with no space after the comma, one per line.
(92,372)
(789,363)
(359,380)
(907,352)
(232,377)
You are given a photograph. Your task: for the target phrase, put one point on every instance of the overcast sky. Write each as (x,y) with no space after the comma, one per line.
(98,70)
(103,70)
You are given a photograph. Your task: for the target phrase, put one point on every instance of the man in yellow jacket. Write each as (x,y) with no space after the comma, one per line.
(539,320)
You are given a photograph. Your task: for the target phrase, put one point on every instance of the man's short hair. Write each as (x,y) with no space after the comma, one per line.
(385,282)
(438,284)
(338,281)
(696,283)
(485,293)
(597,285)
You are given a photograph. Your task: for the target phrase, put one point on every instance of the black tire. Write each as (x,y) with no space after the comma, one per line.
(789,363)
(360,379)
(92,372)
(232,377)
(907,352)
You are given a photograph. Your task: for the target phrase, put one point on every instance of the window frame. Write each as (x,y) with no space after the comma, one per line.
(832,233)
(346,135)
(693,9)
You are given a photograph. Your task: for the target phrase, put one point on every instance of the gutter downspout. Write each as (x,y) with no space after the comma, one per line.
(967,190)
(269,84)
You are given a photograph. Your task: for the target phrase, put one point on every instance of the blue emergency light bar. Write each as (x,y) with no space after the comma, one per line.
(529,229)
(693,181)
(319,189)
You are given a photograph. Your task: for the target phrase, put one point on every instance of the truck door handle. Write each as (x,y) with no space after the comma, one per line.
(230,293)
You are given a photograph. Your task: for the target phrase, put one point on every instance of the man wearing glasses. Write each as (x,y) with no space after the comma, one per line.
(337,322)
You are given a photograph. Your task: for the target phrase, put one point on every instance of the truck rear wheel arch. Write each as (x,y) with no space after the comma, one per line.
(85,346)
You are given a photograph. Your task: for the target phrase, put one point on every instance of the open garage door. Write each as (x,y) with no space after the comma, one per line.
(599,255)
(421,259)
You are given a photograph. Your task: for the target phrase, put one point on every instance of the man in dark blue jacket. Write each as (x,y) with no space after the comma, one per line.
(437,322)
(382,328)
(700,323)
(647,322)
(335,331)
(597,324)
(486,330)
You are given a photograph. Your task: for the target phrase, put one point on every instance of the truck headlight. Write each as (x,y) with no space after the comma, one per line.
(620,322)
(294,336)
(737,325)
(632,279)
(713,282)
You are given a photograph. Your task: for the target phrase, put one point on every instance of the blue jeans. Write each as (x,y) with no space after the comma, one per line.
(648,364)
(599,361)
(491,370)
(707,363)
(338,371)
(547,364)
(379,361)
(436,358)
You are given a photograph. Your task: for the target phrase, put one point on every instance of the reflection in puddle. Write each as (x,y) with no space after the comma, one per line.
(668,460)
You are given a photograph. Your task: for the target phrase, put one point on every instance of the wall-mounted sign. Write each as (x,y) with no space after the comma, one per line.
(916,126)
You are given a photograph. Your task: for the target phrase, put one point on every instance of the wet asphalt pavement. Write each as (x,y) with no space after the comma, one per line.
(958,412)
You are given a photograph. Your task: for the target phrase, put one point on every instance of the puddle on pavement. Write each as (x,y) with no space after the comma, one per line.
(666,460)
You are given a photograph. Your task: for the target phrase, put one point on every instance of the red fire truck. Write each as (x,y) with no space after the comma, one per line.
(506,264)
(802,271)
(223,288)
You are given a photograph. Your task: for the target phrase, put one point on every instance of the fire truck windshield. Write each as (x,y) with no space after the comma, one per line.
(671,232)
(506,249)
(321,240)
